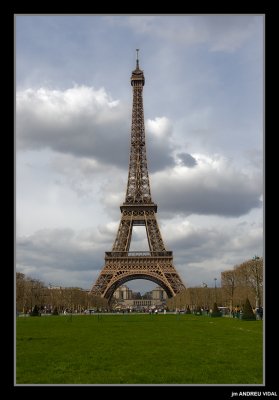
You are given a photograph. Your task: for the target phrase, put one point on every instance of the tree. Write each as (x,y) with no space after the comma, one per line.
(55,311)
(248,314)
(20,291)
(29,292)
(35,312)
(229,284)
(97,302)
(256,278)
(35,290)
(216,312)
(250,273)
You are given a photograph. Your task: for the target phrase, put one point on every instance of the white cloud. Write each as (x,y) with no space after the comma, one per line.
(81,121)
(160,127)
(85,123)
(54,191)
(159,143)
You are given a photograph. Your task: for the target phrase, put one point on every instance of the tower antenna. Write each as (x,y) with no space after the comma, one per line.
(137,50)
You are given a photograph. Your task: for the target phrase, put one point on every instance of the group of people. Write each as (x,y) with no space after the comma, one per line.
(259,313)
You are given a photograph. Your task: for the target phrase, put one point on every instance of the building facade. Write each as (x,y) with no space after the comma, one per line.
(124,298)
(123,293)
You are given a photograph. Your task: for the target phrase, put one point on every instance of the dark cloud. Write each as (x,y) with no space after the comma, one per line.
(201,253)
(187,159)
(59,249)
(207,189)
(66,257)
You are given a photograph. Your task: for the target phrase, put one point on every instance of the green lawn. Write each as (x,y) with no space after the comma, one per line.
(138,349)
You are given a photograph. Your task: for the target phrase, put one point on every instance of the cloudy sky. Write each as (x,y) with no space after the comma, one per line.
(203,105)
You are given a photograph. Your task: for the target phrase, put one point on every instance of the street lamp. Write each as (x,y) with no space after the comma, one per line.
(215,279)
(205,296)
(50,296)
(32,290)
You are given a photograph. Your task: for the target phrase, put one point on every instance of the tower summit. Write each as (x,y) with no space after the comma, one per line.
(138,189)
(122,265)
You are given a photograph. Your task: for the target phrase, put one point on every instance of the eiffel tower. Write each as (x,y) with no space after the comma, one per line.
(122,265)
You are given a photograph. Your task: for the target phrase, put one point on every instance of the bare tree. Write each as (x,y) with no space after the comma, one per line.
(250,273)
(29,292)
(36,291)
(228,282)
(20,292)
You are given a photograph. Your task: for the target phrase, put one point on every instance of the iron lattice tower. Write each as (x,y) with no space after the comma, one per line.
(122,265)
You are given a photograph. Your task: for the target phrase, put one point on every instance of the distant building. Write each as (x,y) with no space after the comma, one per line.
(158,294)
(123,293)
(125,298)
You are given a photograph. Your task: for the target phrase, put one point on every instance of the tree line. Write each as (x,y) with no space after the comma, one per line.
(31,292)
(243,281)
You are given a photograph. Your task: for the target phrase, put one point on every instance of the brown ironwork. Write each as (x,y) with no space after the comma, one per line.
(122,265)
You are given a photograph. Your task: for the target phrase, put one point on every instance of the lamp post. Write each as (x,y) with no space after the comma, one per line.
(205,300)
(215,279)
(71,298)
(50,296)
(32,290)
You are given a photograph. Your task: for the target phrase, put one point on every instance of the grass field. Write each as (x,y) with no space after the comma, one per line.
(138,349)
